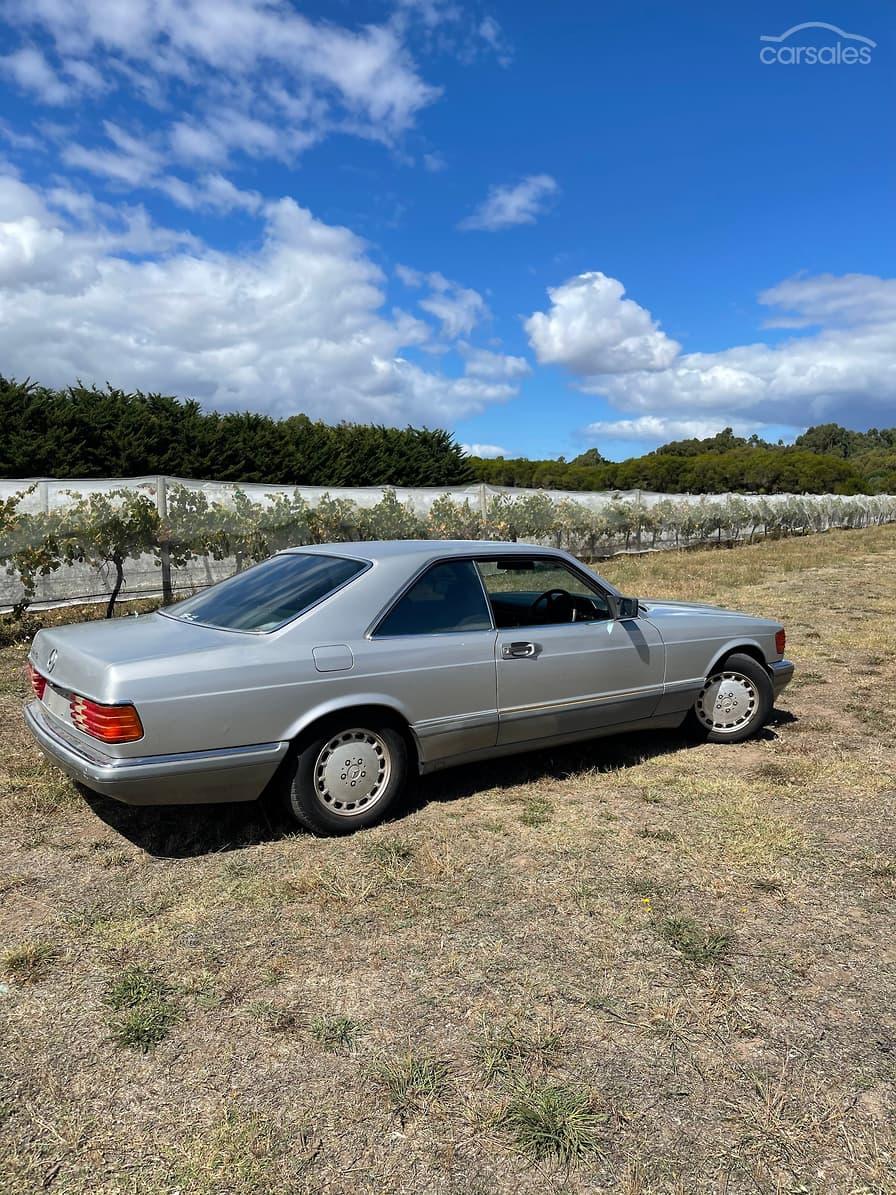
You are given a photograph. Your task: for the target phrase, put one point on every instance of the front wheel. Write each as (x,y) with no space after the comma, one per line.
(347,777)
(735,701)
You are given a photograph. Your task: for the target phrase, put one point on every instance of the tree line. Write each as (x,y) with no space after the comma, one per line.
(89,432)
(828,459)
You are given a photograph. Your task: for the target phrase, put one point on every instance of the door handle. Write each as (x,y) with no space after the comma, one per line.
(517,651)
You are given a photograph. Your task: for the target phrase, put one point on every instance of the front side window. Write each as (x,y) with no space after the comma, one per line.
(532,591)
(270,594)
(447,598)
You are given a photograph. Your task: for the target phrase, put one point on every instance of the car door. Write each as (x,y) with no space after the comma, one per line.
(434,650)
(566,669)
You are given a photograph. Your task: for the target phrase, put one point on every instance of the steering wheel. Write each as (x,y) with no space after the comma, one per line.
(554,600)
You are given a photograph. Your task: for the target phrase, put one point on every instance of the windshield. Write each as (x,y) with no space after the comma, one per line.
(270,594)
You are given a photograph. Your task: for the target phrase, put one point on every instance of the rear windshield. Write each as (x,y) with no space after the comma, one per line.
(270,594)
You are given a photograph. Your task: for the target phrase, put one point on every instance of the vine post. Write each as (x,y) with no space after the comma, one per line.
(164,540)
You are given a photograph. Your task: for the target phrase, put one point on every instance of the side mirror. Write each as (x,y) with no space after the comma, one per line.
(626,607)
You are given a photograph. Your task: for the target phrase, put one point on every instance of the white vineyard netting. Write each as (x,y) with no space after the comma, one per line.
(58,539)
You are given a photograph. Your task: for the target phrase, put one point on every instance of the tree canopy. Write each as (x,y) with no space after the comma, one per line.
(825,459)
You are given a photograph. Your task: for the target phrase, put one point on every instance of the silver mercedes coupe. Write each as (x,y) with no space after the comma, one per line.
(327,674)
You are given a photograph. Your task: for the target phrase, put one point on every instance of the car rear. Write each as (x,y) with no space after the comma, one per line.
(143,710)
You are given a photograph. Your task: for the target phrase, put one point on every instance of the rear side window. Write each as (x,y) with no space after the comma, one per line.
(270,594)
(448,597)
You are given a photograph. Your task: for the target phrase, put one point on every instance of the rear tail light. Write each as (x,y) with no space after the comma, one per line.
(109,723)
(780,641)
(38,682)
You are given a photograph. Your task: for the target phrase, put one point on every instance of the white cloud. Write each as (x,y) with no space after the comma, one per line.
(457,308)
(843,371)
(194,143)
(133,161)
(434,163)
(431,13)
(220,194)
(296,325)
(136,162)
(493,36)
(212,191)
(847,299)
(31,71)
(18,140)
(364,74)
(591,328)
(488,452)
(254,78)
(410,277)
(505,206)
(482,363)
(655,429)
(450,27)
(87,77)
(55,245)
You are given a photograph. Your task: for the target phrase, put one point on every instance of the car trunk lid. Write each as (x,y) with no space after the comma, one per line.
(81,657)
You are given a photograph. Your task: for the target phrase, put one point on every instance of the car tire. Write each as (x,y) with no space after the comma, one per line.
(347,776)
(735,701)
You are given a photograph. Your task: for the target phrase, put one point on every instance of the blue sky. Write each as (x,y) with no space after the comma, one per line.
(547,227)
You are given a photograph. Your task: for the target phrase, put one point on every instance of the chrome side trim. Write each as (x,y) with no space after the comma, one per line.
(675,686)
(652,722)
(592,699)
(430,726)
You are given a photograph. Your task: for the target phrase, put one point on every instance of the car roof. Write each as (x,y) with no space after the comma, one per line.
(391,549)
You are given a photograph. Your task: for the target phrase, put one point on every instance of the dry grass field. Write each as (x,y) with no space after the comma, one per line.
(638,966)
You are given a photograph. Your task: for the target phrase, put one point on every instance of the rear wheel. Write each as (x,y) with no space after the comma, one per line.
(735,701)
(347,777)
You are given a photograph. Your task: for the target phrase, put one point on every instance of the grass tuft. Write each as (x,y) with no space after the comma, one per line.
(551,1120)
(275,1018)
(391,853)
(658,835)
(412,1082)
(336,1033)
(28,962)
(147,1012)
(693,942)
(653,796)
(504,1048)
(536,812)
(243,1152)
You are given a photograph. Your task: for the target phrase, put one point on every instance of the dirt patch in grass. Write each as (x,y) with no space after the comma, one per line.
(638,966)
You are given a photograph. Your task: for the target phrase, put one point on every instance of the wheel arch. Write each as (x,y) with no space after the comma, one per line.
(745,647)
(373,707)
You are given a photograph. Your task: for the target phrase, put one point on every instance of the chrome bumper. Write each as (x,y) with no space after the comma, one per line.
(227,774)
(782,675)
